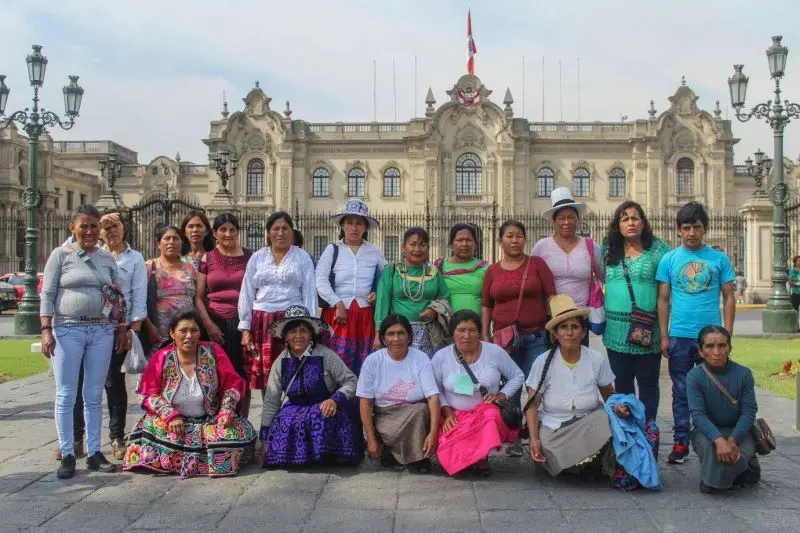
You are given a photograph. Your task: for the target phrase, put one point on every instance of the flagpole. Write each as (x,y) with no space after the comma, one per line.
(542,88)
(394,89)
(414,114)
(560,93)
(579,89)
(374,91)
(523,86)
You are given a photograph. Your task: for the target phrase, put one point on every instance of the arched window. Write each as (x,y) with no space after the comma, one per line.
(255,177)
(580,182)
(321,185)
(391,182)
(685,177)
(255,236)
(545,180)
(468,175)
(356,183)
(616,183)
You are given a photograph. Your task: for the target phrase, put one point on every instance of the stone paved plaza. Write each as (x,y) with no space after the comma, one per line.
(369,499)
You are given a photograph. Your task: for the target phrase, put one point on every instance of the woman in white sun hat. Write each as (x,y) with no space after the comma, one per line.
(572,259)
(346,276)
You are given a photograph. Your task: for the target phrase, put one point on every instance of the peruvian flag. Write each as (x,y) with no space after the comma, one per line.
(471,49)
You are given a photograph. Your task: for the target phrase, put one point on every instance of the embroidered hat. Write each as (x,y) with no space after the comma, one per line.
(562,307)
(561,198)
(297,313)
(356,208)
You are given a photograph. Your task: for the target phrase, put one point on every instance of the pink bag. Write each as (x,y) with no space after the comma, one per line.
(597,312)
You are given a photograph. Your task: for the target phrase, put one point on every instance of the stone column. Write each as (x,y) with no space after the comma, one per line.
(757,212)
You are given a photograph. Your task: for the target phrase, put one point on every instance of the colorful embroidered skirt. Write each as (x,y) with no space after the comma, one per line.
(299,435)
(352,341)
(475,434)
(268,347)
(206,449)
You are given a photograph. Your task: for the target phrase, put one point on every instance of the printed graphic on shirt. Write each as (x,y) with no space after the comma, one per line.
(398,393)
(695,277)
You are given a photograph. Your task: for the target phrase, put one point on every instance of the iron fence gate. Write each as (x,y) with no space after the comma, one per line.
(147,217)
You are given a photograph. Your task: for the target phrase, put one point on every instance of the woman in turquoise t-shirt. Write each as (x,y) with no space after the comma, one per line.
(794,282)
(631,240)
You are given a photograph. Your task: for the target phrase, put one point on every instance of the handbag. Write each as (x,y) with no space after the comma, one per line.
(114,307)
(509,411)
(504,337)
(323,304)
(643,322)
(597,312)
(760,430)
(135,361)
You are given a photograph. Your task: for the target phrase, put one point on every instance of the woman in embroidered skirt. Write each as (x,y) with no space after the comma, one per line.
(190,392)
(277,276)
(310,414)
(473,425)
(463,272)
(346,279)
(399,400)
(416,290)
(219,281)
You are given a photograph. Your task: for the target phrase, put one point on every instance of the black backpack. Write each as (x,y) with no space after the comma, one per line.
(331,277)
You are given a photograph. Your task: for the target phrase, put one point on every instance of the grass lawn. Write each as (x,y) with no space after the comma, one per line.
(17,361)
(766,358)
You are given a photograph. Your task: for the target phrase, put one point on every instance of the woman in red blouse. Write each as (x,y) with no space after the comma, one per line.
(500,302)
(219,280)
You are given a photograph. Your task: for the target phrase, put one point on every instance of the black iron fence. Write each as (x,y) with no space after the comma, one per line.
(53,231)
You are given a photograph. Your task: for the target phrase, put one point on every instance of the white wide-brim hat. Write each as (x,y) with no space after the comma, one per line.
(561,198)
(356,208)
(297,313)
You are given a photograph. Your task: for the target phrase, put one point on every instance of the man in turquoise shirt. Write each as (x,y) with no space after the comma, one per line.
(691,279)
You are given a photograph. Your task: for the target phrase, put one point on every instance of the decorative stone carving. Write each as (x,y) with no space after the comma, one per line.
(256,141)
(285,178)
(470,137)
(582,163)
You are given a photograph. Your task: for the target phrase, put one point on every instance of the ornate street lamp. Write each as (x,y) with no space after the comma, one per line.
(779,317)
(35,122)
(758,171)
(225,166)
(110,169)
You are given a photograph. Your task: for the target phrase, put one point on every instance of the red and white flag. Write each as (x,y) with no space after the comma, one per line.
(471,49)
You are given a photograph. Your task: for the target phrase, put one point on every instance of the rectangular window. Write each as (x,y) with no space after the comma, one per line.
(70,201)
(321,186)
(544,186)
(355,186)
(580,186)
(57,202)
(391,248)
(320,242)
(391,186)
(616,187)
(83,199)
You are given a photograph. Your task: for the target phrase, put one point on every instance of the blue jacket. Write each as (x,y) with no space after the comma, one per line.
(631,446)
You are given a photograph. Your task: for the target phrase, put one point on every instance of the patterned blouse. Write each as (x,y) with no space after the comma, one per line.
(176,292)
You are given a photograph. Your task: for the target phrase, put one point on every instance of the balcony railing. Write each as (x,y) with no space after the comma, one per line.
(580,129)
(95,147)
(350,128)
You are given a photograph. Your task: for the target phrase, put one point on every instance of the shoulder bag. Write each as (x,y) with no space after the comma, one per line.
(504,337)
(510,411)
(597,312)
(114,306)
(760,430)
(643,323)
(323,304)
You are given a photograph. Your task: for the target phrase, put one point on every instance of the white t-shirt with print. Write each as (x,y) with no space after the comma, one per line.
(391,382)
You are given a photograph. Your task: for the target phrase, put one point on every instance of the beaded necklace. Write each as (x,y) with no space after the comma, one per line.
(417,296)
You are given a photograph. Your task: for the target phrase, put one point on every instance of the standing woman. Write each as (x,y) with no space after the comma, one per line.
(197,237)
(353,265)
(81,307)
(794,282)
(463,272)
(175,280)
(277,277)
(416,290)
(566,253)
(631,250)
(515,295)
(219,281)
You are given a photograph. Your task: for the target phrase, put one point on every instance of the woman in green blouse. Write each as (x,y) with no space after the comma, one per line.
(416,290)
(463,273)
(630,240)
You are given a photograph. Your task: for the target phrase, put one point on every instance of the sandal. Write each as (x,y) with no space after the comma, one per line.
(421,467)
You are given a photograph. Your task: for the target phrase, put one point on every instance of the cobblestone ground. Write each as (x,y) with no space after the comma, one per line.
(370,499)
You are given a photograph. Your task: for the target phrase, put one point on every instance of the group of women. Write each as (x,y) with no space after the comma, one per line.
(407,360)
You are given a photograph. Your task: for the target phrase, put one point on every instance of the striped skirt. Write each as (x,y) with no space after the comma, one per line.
(352,341)
(267,346)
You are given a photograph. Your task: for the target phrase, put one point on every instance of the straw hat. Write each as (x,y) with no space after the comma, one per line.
(297,313)
(356,208)
(561,198)
(562,308)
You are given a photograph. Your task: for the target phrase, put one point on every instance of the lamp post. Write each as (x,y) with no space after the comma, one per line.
(225,166)
(111,169)
(758,171)
(779,316)
(35,122)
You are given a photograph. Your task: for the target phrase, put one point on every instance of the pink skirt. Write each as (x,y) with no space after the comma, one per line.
(475,434)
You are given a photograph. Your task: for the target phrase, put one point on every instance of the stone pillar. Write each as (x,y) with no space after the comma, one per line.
(757,212)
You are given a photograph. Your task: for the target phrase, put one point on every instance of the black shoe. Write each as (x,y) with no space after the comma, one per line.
(750,477)
(705,489)
(678,454)
(67,468)
(388,460)
(421,467)
(97,461)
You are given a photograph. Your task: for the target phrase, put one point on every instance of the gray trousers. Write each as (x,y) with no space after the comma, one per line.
(715,473)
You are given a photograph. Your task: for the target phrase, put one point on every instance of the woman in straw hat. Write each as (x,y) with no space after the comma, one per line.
(346,276)
(310,413)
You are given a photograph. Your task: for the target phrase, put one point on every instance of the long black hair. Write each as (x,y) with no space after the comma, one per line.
(208,240)
(615,242)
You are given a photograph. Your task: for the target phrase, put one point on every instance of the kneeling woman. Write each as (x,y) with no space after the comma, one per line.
(399,399)
(473,424)
(569,427)
(309,412)
(190,392)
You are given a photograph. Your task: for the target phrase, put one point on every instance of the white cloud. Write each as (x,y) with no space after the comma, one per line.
(154,71)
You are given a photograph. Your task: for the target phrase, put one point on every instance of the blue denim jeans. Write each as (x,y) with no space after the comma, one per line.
(526,349)
(682,358)
(642,369)
(91,346)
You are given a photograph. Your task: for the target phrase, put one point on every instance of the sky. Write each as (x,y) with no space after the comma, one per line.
(155,72)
